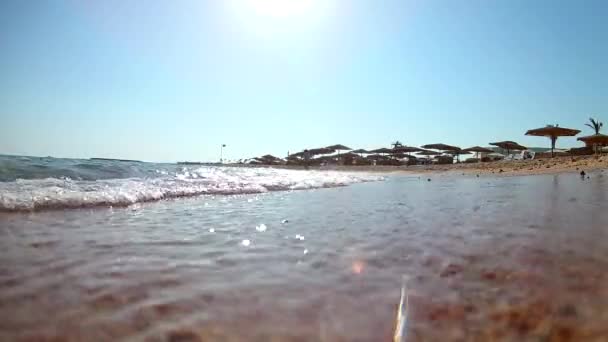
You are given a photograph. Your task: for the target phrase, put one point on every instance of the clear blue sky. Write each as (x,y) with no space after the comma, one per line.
(172,80)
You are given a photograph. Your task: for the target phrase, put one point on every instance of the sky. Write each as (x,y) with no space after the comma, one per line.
(174,80)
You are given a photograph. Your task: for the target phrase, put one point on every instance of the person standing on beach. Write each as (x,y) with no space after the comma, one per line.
(306,159)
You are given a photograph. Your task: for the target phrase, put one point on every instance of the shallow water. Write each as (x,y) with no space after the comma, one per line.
(520,258)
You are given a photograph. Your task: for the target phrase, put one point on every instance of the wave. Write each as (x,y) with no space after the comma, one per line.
(65,192)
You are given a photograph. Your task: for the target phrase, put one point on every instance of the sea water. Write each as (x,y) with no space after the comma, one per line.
(509,259)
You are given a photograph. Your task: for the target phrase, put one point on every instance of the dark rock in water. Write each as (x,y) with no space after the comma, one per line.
(428,180)
(477,176)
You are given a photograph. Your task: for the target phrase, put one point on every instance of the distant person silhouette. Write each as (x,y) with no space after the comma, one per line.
(306,159)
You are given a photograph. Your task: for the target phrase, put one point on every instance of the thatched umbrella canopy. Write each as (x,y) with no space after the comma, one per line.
(478,149)
(429,153)
(339,147)
(553,132)
(595,140)
(441,147)
(599,139)
(382,150)
(269,159)
(407,149)
(360,151)
(509,145)
(322,150)
(457,153)
(376,157)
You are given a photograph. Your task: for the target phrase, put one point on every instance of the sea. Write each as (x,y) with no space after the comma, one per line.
(101,250)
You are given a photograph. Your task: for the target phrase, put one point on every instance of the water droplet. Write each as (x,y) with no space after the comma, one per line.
(246,243)
(261,228)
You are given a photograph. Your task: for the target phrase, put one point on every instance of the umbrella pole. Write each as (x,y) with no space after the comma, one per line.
(553,140)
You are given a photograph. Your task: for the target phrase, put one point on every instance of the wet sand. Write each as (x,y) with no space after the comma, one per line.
(488,259)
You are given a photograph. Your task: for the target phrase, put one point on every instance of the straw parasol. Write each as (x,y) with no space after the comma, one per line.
(429,153)
(269,159)
(458,153)
(322,150)
(360,151)
(478,150)
(376,157)
(407,149)
(509,145)
(382,150)
(339,147)
(599,139)
(441,147)
(595,140)
(553,132)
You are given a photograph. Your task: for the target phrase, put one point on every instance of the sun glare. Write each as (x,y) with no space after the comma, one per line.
(272,18)
(281,8)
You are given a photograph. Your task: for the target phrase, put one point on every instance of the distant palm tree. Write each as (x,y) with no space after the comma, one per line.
(595,125)
(397,144)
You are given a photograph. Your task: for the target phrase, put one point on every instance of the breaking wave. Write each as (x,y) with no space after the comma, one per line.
(99,183)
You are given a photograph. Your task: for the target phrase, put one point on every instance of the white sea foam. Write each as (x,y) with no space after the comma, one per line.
(49,193)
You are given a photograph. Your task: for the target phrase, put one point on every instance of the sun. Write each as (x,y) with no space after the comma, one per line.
(279,19)
(281,8)
(276,17)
